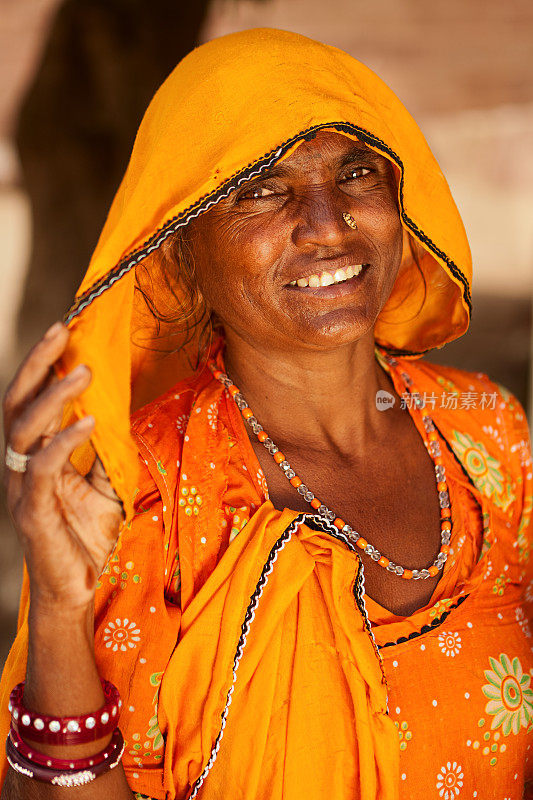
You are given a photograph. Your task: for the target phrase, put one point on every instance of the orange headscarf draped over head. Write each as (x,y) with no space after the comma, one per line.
(230,109)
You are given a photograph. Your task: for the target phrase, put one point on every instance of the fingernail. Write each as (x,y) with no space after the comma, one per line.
(53,330)
(77,372)
(86,422)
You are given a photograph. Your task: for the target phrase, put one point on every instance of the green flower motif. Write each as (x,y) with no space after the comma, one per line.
(440,607)
(483,468)
(509,694)
(404,734)
(523,529)
(500,583)
(153,730)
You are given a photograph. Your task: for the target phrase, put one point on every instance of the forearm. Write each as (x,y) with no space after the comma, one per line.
(62,679)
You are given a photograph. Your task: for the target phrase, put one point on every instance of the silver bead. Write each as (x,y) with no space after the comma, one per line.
(268,443)
(38,724)
(251,421)
(290,474)
(445,537)
(323,510)
(399,570)
(257,428)
(391,566)
(331,516)
(90,722)
(444,499)
(347,530)
(369,550)
(227,382)
(55,726)
(302,489)
(308,496)
(416,575)
(15,714)
(424,574)
(240,401)
(25,719)
(73,726)
(284,465)
(105,718)
(376,555)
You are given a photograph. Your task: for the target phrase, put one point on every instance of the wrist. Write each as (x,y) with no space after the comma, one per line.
(48,614)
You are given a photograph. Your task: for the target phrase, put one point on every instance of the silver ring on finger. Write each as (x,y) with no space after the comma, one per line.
(16,462)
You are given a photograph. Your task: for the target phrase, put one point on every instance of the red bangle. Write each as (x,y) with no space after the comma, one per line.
(65,730)
(58,777)
(30,754)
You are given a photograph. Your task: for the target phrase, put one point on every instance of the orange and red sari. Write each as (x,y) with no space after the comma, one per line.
(250,660)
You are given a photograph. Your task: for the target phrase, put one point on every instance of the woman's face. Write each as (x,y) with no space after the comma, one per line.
(287,226)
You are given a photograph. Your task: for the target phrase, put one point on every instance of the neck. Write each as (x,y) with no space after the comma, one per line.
(323,400)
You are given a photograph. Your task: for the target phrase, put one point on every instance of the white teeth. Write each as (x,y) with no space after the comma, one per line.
(326,279)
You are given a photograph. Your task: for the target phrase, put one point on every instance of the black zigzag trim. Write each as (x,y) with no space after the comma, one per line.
(255,168)
(245,629)
(426,628)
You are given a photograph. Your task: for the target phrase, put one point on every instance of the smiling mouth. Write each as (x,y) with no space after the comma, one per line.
(328,278)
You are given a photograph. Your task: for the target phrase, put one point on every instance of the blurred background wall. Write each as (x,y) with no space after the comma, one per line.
(76,76)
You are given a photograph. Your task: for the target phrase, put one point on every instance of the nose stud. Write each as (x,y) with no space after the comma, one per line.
(349,220)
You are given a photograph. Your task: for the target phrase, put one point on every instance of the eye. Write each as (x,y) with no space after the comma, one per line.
(357,172)
(256,193)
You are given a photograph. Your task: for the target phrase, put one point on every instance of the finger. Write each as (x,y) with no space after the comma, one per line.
(34,371)
(98,478)
(39,416)
(48,463)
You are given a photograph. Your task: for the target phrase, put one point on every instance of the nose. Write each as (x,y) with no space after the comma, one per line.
(318,219)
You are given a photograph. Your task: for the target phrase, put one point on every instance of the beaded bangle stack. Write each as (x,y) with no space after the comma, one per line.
(65,730)
(432,445)
(54,730)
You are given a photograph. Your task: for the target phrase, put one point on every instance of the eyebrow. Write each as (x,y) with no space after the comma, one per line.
(280,170)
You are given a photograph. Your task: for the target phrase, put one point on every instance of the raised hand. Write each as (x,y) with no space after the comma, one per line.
(67,523)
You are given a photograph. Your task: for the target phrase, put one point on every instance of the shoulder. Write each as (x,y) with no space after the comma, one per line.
(158,430)
(486,400)
(485,425)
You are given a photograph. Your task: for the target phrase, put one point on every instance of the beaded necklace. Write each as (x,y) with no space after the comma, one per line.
(432,445)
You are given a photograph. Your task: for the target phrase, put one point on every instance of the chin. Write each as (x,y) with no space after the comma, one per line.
(337,328)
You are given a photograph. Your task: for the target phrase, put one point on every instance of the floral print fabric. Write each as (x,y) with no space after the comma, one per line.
(458,672)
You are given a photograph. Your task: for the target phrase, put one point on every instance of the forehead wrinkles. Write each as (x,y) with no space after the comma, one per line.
(323,159)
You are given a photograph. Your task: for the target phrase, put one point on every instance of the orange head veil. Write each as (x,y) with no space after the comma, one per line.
(230,109)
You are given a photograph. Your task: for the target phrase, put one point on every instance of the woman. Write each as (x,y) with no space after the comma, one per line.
(322,584)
